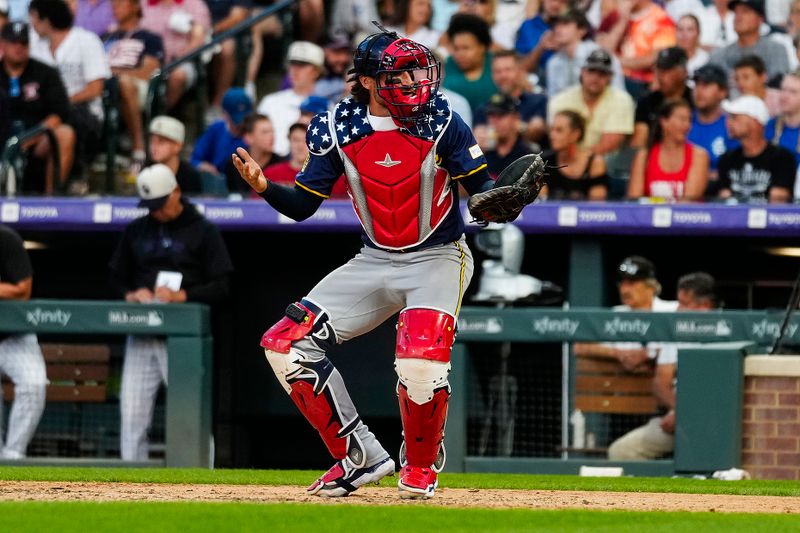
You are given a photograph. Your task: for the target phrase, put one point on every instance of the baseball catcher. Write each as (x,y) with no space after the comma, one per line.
(401,150)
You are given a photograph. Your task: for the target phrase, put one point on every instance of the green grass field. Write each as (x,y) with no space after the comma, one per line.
(89,517)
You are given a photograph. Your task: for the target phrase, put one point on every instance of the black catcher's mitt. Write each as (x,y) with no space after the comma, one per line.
(517,186)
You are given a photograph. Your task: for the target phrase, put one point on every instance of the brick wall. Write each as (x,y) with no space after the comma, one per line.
(771,425)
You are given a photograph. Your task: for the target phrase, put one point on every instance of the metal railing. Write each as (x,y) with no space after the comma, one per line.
(12,160)
(196,55)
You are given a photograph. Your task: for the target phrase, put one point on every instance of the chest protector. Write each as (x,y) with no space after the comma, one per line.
(398,191)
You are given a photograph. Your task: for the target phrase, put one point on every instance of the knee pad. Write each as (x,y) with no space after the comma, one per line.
(302,319)
(422,378)
(425,334)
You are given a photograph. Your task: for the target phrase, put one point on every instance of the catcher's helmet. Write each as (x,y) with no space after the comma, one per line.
(406,72)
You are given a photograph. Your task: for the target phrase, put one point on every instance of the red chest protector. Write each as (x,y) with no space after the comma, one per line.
(398,192)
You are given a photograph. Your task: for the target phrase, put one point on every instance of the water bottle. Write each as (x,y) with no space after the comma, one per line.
(578,421)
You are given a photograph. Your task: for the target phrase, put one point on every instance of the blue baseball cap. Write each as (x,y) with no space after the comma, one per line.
(237,104)
(314,104)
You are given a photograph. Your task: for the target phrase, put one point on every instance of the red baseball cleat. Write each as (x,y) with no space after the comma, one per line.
(342,478)
(417,482)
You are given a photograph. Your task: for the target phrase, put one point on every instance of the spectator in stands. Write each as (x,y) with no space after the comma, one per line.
(167,136)
(4,12)
(657,437)
(509,77)
(259,137)
(638,290)
(306,63)
(574,173)
(572,36)
(413,21)
(750,75)
(708,120)
(94,15)
(608,111)
(20,356)
(756,171)
(225,14)
(171,255)
(338,56)
(504,121)
(671,77)
(784,129)
(716,25)
(311,106)
(213,149)
(284,172)
(468,70)
(638,30)
(271,26)
(535,42)
(687,37)
(747,20)
(134,54)
(80,58)
(670,167)
(36,96)
(183,26)
(676,9)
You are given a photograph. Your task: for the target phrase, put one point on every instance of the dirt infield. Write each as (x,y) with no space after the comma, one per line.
(500,499)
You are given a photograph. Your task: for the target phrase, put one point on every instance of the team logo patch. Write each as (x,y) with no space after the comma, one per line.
(475,151)
(387,162)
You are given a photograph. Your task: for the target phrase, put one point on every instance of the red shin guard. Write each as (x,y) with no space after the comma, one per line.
(423,426)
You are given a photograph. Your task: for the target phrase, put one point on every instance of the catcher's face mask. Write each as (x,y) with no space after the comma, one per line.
(407,80)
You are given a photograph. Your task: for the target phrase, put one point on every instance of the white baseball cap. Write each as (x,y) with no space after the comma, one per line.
(751,106)
(306,52)
(169,128)
(154,184)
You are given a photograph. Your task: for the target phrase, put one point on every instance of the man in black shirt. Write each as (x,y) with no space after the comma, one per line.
(36,95)
(756,171)
(171,255)
(671,76)
(20,356)
(504,126)
(167,135)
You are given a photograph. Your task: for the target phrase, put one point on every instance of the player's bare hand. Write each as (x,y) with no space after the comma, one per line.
(141,296)
(636,361)
(164,294)
(249,170)
(668,422)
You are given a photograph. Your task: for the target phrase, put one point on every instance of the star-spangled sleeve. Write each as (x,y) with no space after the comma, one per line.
(323,166)
(459,151)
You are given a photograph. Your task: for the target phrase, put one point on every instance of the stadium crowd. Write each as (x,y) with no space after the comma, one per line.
(674,100)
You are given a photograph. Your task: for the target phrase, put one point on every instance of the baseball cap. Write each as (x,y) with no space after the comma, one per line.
(15,32)
(748,105)
(306,52)
(671,57)
(636,268)
(337,41)
(711,73)
(154,184)
(755,5)
(598,60)
(314,104)
(501,104)
(237,104)
(169,128)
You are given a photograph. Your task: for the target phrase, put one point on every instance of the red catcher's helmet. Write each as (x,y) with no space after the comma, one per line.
(407,78)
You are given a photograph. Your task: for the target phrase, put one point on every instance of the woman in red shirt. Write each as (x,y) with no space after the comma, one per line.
(671,168)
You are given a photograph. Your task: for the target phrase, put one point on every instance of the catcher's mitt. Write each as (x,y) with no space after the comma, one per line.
(517,186)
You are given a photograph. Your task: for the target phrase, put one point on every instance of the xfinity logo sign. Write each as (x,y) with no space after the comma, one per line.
(41,316)
(770,329)
(480,325)
(563,326)
(621,326)
(708,327)
(150,319)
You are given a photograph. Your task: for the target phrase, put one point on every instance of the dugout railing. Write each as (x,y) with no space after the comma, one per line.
(187,330)
(709,392)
